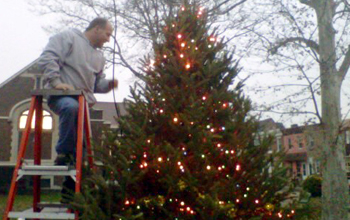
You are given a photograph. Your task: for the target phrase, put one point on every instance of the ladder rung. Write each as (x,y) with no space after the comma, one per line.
(41,215)
(46,171)
(53,205)
(51,168)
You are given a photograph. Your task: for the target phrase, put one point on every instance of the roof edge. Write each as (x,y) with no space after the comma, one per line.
(18,73)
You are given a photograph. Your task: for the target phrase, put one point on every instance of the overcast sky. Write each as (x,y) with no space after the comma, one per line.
(21,37)
(22,40)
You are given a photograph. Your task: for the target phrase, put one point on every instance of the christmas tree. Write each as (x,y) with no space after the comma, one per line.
(187,146)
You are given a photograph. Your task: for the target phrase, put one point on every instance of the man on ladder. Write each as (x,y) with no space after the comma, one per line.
(72,61)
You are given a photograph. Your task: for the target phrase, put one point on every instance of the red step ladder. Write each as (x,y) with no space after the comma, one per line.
(36,170)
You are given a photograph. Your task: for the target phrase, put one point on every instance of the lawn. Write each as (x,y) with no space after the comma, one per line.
(24,201)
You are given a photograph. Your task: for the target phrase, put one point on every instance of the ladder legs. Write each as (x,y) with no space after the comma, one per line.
(37,151)
(79,155)
(83,125)
(23,146)
(87,128)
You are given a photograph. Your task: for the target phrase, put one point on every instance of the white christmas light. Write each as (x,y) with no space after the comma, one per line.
(238,167)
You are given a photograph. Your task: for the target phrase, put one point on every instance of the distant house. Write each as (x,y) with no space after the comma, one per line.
(295,145)
(14,104)
(346,131)
(269,126)
(300,145)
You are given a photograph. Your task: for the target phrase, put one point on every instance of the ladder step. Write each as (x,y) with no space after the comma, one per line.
(51,168)
(41,215)
(53,205)
(46,171)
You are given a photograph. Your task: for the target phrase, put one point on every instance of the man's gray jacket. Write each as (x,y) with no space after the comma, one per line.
(70,58)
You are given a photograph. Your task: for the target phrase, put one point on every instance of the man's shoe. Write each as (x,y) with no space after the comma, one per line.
(67,192)
(64,159)
(65,201)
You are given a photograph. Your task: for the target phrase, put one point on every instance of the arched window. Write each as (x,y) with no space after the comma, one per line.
(47,120)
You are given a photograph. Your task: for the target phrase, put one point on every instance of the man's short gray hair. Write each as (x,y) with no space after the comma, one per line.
(101,22)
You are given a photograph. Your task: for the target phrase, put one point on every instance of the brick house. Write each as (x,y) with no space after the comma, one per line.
(300,145)
(14,104)
(296,152)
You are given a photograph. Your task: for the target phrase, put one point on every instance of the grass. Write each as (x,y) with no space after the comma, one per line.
(24,201)
(310,210)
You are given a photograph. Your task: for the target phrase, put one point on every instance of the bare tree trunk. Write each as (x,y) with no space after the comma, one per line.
(334,185)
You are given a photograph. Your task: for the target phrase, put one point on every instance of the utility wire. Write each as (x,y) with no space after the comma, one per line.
(113,64)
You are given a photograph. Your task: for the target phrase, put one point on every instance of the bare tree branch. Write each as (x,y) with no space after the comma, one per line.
(312,92)
(345,65)
(216,9)
(311,3)
(310,43)
(136,73)
(289,112)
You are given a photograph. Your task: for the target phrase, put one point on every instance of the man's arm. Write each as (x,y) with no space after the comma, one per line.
(103,85)
(53,57)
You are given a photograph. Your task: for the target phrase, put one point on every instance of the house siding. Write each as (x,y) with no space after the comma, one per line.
(14,92)
(5,143)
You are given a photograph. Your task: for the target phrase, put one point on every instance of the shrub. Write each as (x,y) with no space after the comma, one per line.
(313,185)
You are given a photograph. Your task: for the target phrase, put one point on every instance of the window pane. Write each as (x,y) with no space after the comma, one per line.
(47,120)
(47,123)
(22,121)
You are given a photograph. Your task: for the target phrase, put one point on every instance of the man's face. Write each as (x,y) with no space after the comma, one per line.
(103,35)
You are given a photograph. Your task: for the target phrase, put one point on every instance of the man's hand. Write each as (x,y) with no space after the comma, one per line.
(113,84)
(63,86)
